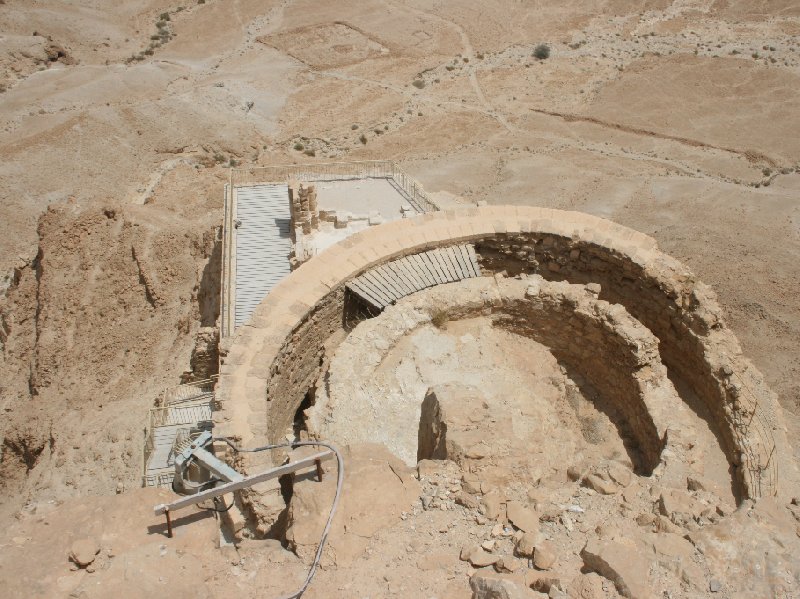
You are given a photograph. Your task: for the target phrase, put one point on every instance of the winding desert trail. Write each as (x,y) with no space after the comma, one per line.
(469,53)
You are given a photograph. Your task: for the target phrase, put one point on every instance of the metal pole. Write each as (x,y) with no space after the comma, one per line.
(169,522)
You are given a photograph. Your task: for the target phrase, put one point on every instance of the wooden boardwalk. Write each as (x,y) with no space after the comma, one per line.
(263,245)
(386,284)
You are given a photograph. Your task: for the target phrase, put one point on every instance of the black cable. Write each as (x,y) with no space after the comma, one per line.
(339,484)
(214,509)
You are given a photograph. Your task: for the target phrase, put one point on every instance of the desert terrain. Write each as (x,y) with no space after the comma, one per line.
(118,125)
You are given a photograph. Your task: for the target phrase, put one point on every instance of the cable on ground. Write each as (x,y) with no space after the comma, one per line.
(339,483)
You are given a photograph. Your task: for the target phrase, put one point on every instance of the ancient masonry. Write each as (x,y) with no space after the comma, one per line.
(303,207)
(573,282)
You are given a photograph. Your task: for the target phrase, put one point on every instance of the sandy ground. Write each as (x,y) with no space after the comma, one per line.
(679,119)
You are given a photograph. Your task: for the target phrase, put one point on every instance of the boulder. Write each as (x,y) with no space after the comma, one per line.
(620,473)
(522,517)
(471,484)
(444,415)
(544,555)
(486,584)
(493,506)
(588,586)
(623,564)
(680,507)
(526,544)
(466,500)
(478,557)
(83,551)
(605,487)
(508,563)
(543,582)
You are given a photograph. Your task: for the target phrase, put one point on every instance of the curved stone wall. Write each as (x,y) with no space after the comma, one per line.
(273,360)
(598,340)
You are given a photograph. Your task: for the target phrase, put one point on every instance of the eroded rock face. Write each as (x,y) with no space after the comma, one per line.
(448,428)
(756,547)
(205,355)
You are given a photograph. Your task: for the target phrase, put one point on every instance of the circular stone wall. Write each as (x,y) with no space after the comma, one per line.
(599,341)
(273,361)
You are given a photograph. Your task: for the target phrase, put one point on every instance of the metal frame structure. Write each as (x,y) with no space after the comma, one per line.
(174,407)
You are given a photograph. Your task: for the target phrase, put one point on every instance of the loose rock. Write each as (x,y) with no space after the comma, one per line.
(623,565)
(544,556)
(594,482)
(523,518)
(83,551)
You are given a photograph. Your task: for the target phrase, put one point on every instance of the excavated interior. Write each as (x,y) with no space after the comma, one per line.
(598,343)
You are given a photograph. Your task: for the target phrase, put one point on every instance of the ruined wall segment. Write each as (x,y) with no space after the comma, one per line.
(609,348)
(272,360)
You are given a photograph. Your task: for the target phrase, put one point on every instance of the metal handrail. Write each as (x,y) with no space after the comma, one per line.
(183,392)
(335,171)
(761,467)
(227,257)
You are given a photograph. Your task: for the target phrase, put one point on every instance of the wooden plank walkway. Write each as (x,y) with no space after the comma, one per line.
(263,245)
(386,284)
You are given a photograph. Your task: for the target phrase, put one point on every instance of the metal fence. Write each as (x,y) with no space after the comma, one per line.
(757,443)
(188,391)
(228,264)
(336,171)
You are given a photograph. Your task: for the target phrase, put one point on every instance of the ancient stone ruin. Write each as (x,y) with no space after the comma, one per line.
(665,407)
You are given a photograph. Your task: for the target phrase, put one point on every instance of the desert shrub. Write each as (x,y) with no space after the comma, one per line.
(354,126)
(542,51)
(418,83)
(299,147)
(363,139)
(310,152)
